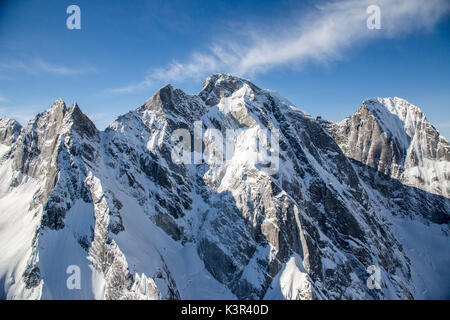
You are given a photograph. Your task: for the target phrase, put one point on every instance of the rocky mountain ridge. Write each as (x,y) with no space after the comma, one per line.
(302,220)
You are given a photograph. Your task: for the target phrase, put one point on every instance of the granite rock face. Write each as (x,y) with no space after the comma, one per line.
(394,137)
(9,131)
(267,202)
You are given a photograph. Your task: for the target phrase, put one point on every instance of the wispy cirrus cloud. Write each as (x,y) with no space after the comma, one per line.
(21,113)
(37,66)
(147,82)
(321,35)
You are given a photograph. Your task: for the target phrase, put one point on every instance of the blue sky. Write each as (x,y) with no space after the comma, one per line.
(318,54)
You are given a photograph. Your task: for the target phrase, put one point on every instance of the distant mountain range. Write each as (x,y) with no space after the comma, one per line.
(268,202)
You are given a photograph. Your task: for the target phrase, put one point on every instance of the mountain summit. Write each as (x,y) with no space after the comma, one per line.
(268,203)
(394,137)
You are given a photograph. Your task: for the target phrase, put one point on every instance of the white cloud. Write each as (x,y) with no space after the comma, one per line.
(22,114)
(321,35)
(39,66)
(147,82)
(97,116)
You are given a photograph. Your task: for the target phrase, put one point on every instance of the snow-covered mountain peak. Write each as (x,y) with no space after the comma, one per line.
(9,130)
(80,122)
(45,120)
(173,102)
(397,116)
(394,136)
(58,105)
(4,121)
(395,105)
(403,120)
(222,85)
(58,119)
